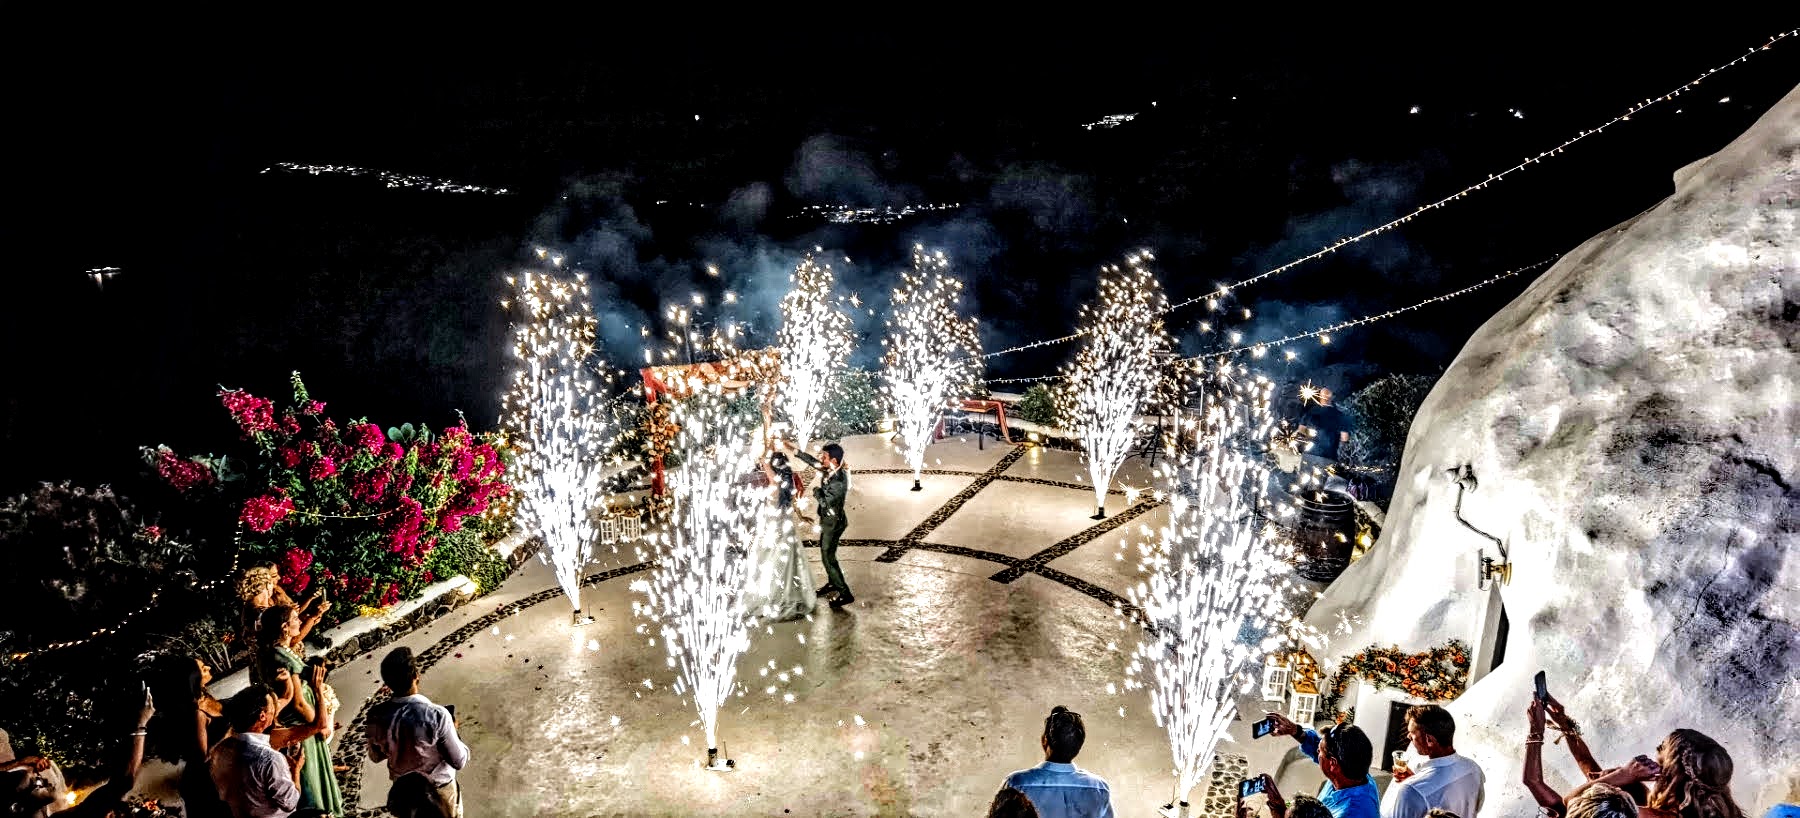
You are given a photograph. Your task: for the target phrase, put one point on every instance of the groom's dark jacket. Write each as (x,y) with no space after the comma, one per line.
(830,492)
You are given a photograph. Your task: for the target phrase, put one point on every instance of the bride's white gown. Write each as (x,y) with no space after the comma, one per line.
(779,582)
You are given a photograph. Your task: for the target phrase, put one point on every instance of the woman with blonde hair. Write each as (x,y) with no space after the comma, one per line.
(259,587)
(1690,778)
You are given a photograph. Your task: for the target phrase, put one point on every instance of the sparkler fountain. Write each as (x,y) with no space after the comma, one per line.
(695,595)
(932,353)
(1215,601)
(814,343)
(555,414)
(1117,367)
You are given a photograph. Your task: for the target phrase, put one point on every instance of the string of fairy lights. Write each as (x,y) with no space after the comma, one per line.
(1323,334)
(237,549)
(1527,162)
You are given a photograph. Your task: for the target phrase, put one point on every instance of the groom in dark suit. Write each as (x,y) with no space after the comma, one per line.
(834,485)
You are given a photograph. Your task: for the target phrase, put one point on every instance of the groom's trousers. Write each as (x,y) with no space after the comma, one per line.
(830,532)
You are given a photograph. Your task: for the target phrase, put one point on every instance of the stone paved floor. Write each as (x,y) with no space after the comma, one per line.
(981,602)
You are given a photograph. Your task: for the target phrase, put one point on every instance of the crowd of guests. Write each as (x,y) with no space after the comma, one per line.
(260,753)
(263,752)
(1690,776)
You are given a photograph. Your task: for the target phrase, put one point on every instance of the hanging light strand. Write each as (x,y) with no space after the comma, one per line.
(1421,210)
(1324,333)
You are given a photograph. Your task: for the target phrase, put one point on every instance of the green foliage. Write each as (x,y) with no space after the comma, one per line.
(1037,405)
(467,553)
(850,408)
(1381,414)
(79,561)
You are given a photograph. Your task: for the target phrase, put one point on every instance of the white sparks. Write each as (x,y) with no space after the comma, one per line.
(557,419)
(696,592)
(931,353)
(1116,370)
(814,343)
(1214,597)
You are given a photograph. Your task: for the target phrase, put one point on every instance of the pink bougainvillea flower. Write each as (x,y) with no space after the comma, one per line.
(253,414)
(313,407)
(180,472)
(391,595)
(324,468)
(368,436)
(152,533)
(288,456)
(262,513)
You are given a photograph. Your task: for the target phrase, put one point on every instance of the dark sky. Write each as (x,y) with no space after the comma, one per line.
(144,152)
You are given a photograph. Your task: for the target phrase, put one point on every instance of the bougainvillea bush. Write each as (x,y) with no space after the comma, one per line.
(342,508)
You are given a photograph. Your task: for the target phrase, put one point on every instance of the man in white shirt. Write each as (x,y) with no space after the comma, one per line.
(1444,780)
(418,741)
(254,779)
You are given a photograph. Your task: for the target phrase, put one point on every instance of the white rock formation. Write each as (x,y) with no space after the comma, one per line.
(1630,424)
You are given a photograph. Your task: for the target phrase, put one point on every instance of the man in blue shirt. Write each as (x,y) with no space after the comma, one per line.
(1343,754)
(1057,788)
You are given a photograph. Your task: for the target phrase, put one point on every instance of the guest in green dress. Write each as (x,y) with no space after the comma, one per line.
(280,628)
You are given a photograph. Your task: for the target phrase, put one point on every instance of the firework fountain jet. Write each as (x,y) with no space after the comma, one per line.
(814,343)
(1215,601)
(932,353)
(1116,369)
(555,414)
(696,592)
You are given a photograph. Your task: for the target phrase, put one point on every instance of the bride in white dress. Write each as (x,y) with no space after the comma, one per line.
(779,582)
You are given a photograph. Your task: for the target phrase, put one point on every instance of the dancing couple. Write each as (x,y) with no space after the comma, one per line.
(780,581)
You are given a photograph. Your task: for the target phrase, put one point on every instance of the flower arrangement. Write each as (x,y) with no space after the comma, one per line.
(1436,675)
(349,509)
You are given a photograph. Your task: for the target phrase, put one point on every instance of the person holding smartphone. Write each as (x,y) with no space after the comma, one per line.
(418,740)
(1343,753)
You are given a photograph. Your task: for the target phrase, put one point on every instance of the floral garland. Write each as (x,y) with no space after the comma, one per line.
(1437,675)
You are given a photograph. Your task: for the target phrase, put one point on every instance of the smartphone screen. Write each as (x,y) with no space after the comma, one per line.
(1249,787)
(1262,728)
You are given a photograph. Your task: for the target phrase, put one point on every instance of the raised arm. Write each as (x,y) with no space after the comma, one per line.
(1533,775)
(280,737)
(1560,719)
(318,606)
